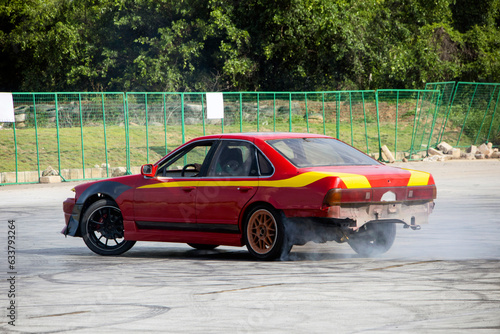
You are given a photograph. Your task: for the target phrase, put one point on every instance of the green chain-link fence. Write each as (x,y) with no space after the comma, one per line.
(468,113)
(97,135)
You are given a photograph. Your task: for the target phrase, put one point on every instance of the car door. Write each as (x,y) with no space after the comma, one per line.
(168,201)
(231,181)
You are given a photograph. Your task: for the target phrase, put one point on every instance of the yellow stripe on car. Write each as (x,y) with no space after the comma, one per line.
(352,181)
(418,178)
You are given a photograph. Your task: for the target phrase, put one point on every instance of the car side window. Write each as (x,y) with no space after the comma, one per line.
(186,163)
(265,167)
(234,158)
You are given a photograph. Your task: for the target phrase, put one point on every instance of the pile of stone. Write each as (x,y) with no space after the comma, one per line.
(445,152)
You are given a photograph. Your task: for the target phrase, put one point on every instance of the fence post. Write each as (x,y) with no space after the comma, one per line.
(147,126)
(485,113)
(492,118)
(203,114)
(415,124)
(436,109)
(274,112)
(440,137)
(182,120)
(467,115)
(378,127)
(105,139)
(350,115)
(397,118)
(241,113)
(81,131)
(364,118)
(307,113)
(258,112)
(323,107)
(338,117)
(165,121)
(127,138)
(58,139)
(36,136)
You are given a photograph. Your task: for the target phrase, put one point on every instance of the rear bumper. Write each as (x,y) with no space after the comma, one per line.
(408,212)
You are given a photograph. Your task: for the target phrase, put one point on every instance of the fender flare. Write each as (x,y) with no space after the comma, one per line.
(111,189)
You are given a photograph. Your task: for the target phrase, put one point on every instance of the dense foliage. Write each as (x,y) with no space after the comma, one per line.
(265,45)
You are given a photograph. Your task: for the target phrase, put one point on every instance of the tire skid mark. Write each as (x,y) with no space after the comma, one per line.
(58,314)
(240,289)
(151,312)
(404,265)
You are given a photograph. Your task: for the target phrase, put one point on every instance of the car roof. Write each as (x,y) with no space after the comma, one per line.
(264,135)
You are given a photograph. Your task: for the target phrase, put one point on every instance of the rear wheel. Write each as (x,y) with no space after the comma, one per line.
(203,246)
(264,234)
(373,239)
(102,229)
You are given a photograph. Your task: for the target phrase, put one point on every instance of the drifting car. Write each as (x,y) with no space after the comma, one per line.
(265,191)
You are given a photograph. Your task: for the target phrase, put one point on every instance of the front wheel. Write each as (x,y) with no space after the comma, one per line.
(373,238)
(264,234)
(102,229)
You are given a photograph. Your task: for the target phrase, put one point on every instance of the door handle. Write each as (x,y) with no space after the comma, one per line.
(244,189)
(188,189)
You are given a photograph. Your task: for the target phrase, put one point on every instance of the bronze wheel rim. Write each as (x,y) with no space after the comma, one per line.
(261,231)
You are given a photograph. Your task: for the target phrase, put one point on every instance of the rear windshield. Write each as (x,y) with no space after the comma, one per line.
(314,152)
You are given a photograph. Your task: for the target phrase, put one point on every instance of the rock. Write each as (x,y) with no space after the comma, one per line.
(50,179)
(472,149)
(103,165)
(192,108)
(119,171)
(405,160)
(192,121)
(432,158)
(388,154)
(49,171)
(455,153)
(495,155)
(479,156)
(469,156)
(485,150)
(20,117)
(445,147)
(316,118)
(416,157)
(433,151)
(490,145)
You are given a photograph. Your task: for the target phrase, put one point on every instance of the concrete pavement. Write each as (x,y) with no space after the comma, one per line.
(443,278)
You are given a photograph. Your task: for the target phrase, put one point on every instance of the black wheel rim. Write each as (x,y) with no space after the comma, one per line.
(105,228)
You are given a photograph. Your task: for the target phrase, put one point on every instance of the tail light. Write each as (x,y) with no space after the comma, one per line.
(337,196)
(421,193)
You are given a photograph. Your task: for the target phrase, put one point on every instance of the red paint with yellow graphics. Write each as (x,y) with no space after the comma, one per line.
(268,191)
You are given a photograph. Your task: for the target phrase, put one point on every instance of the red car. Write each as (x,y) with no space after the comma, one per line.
(268,191)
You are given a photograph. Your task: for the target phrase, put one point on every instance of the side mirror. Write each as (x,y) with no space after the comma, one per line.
(148,170)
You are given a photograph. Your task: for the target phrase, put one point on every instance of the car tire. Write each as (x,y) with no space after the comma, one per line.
(102,229)
(264,234)
(203,246)
(373,239)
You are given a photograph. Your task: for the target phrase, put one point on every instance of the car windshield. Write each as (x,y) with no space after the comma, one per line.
(314,152)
